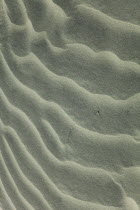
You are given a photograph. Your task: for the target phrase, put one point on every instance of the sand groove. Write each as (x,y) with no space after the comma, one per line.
(69,107)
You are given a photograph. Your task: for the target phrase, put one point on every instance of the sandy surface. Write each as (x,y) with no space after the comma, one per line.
(69,104)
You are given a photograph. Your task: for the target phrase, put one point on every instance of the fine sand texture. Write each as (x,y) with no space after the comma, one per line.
(69,104)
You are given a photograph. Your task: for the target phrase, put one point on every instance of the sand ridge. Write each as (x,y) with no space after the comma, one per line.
(69,106)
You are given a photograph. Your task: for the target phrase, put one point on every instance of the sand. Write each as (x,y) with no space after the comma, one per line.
(69,105)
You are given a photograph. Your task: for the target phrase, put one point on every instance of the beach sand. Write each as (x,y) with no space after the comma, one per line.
(69,104)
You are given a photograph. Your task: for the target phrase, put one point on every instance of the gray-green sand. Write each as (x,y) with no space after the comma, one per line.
(69,105)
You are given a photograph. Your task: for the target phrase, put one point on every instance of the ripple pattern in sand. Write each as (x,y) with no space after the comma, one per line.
(69,106)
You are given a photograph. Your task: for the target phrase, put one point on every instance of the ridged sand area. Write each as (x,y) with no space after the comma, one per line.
(70,104)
